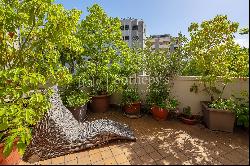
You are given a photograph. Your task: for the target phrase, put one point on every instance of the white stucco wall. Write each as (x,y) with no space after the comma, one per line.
(181,91)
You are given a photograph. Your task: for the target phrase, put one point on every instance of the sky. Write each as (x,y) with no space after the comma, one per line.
(170,16)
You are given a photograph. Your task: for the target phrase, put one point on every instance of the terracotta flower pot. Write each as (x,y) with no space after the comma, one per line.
(99,103)
(79,113)
(14,157)
(216,119)
(159,113)
(190,121)
(133,109)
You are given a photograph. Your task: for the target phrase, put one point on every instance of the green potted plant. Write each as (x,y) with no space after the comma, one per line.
(131,101)
(108,59)
(29,63)
(217,111)
(76,101)
(162,65)
(241,109)
(162,109)
(187,116)
(155,99)
(218,59)
(159,101)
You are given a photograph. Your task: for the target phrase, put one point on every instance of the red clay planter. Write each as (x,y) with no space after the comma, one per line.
(99,103)
(189,121)
(14,157)
(159,113)
(132,109)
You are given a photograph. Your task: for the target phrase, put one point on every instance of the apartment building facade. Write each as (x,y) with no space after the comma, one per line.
(133,32)
(163,41)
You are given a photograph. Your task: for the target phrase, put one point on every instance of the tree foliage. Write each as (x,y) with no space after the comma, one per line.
(213,52)
(243,31)
(108,59)
(31,33)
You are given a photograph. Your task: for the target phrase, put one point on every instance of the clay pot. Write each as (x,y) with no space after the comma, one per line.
(14,157)
(79,113)
(99,103)
(189,120)
(132,109)
(159,113)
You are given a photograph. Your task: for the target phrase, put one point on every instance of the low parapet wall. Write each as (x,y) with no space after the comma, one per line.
(181,91)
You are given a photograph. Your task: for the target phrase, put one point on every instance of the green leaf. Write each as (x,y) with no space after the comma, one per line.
(3,126)
(8,146)
(21,147)
(1,136)
(2,111)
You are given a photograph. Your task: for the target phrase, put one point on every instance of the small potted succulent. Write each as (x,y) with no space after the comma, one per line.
(131,101)
(76,101)
(187,116)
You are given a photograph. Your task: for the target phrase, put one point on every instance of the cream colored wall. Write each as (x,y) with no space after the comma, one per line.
(181,90)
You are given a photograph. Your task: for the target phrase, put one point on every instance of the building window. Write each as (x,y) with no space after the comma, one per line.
(126,27)
(135,38)
(126,37)
(122,27)
(135,27)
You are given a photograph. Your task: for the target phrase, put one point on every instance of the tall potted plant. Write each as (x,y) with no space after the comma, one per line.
(29,62)
(162,65)
(160,102)
(218,59)
(108,60)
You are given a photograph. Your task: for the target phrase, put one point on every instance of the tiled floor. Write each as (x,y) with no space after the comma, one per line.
(165,142)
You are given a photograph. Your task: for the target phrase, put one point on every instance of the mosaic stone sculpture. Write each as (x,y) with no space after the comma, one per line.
(59,133)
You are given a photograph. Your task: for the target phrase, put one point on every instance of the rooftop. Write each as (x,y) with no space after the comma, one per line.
(163,142)
(159,36)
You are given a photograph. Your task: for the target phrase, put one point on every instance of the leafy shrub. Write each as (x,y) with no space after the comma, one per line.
(109,60)
(238,105)
(214,55)
(75,99)
(162,65)
(223,104)
(169,104)
(157,94)
(32,32)
(242,109)
(130,95)
(72,96)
